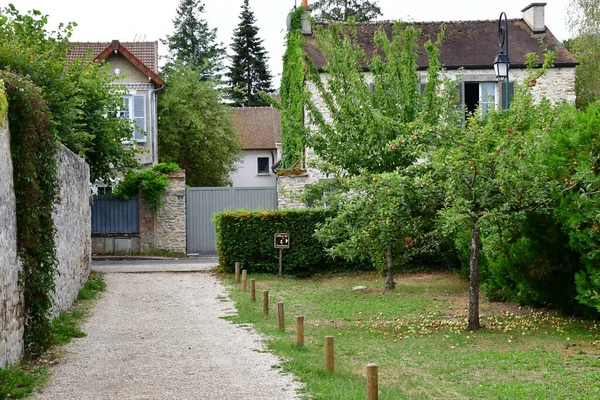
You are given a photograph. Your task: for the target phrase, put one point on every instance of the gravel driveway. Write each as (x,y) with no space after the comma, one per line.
(160,336)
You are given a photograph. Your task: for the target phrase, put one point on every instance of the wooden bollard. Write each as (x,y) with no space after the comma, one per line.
(300,330)
(329,353)
(280,316)
(244,279)
(237,271)
(372,385)
(252,289)
(265,302)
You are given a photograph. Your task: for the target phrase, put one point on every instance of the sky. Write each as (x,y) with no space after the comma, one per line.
(106,20)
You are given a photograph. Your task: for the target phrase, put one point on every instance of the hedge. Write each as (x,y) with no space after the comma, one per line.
(247,237)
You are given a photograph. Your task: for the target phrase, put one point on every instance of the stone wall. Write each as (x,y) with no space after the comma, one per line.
(73,222)
(72,219)
(167,229)
(12,317)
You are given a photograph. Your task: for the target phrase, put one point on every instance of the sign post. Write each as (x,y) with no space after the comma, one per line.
(282,241)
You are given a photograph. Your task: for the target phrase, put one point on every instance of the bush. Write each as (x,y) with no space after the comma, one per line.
(248,237)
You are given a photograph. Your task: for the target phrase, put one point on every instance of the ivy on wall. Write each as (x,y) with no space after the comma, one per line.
(151,182)
(293,93)
(33,148)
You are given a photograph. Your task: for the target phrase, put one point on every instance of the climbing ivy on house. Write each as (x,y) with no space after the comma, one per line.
(293,94)
(33,148)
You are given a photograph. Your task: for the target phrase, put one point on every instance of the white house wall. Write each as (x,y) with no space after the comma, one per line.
(247,172)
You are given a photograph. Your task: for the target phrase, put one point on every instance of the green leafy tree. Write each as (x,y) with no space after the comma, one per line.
(248,74)
(364,134)
(583,21)
(196,130)
(344,10)
(82,102)
(193,41)
(489,172)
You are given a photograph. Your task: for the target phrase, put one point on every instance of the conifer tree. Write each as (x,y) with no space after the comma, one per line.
(193,41)
(248,74)
(343,10)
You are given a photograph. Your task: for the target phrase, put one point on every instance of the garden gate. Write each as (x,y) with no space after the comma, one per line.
(203,203)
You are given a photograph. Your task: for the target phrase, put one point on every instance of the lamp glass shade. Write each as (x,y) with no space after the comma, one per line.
(501,65)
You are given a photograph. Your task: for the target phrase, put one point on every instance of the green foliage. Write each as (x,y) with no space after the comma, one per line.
(248,237)
(193,42)
(67,326)
(583,21)
(196,130)
(82,102)
(17,382)
(345,10)
(375,212)
(366,129)
(33,147)
(573,164)
(293,94)
(151,182)
(248,74)
(94,285)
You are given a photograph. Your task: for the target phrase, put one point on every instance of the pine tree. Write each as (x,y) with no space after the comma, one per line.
(193,41)
(248,74)
(343,10)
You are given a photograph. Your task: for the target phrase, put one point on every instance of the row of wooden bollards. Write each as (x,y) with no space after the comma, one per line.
(372,379)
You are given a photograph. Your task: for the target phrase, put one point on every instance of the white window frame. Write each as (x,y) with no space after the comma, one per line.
(137,115)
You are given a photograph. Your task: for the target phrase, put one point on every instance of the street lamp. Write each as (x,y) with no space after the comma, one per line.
(502,62)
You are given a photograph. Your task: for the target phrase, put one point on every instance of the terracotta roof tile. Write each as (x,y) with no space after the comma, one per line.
(146,52)
(468,44)
(258,127)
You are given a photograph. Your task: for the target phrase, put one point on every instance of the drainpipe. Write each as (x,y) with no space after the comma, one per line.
(154,124)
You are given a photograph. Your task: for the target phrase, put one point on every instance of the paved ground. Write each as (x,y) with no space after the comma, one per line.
(161,336)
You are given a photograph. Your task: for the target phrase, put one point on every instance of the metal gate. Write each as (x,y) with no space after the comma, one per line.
(203,203)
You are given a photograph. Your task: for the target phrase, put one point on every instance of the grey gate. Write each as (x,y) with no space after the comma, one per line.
(203,203)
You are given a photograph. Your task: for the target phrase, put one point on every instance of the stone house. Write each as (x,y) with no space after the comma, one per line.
(259,129)
(135,65)
(468,51)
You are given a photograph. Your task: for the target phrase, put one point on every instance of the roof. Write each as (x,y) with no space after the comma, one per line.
(258,127)
(144,55)
(467,44)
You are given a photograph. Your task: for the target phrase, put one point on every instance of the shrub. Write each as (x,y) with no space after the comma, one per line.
(248,237)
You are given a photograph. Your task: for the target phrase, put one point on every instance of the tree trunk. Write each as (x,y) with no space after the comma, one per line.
(474,279)
(389,283)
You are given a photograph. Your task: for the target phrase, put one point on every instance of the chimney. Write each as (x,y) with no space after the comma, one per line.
(533,14)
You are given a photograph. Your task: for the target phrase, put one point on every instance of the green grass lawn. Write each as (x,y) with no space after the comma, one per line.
(417,335)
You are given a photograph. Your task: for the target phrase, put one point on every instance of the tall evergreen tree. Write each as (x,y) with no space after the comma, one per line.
(248,74)
(343,10)
(193,41)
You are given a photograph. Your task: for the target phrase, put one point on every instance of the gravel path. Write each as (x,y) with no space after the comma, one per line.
(159,336)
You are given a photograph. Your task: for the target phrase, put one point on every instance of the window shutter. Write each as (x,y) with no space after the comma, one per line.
(511,88)
(139,117)
(422,87)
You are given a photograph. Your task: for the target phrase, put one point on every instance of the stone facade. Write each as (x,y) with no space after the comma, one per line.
(72,219)
(73,223)
(167,229)
(12,317)
(557,84)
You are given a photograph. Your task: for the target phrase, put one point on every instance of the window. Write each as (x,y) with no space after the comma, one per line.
(478,91)
(480,94)
(263,165)
(134,108)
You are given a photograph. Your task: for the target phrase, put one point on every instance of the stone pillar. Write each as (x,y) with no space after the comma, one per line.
(170,222)
(165,230)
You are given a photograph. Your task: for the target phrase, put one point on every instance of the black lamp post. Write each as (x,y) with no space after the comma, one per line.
(502,63)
